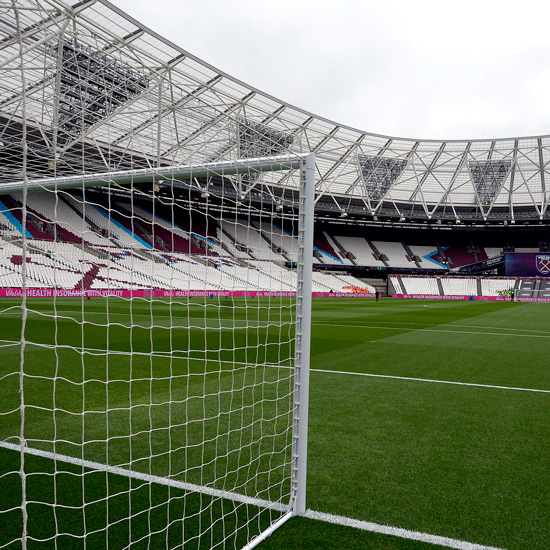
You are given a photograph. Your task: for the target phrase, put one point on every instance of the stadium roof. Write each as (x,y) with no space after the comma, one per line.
(93,90)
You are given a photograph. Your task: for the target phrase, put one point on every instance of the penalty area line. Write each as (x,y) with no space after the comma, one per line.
(433,381)
(397,532)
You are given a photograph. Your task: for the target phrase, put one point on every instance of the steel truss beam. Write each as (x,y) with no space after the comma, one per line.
(212,122)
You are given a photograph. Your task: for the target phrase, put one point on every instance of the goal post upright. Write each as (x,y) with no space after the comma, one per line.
(303,332)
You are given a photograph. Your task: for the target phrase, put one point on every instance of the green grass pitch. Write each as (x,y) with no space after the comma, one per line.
(422,416)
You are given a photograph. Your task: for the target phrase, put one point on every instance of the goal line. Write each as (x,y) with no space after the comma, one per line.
(148,478)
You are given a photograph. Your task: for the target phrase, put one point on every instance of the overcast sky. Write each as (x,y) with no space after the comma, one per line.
(419,69)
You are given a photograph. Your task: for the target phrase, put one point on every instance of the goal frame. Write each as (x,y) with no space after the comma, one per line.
(304,165)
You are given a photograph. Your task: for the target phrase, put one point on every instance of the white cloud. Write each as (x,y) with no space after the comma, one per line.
(421,69)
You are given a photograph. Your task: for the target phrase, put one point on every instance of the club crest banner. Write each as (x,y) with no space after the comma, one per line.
(543,263)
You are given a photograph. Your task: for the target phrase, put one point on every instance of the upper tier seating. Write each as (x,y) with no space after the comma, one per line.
(325,252)
(9,225)
(251,238)
(282,239)
(58,209)
(101,218)
(360,249)
(460,256)
(167,236)
(422,253)
(395,253)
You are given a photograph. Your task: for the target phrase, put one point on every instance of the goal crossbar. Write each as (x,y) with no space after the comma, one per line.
(158,174)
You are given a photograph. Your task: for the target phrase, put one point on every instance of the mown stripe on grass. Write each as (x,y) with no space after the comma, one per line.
(398,532)
(240,364)
(436,330)
(451,325)
(370,375)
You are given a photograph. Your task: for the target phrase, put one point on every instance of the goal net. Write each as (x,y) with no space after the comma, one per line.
(155,298)
(153,363)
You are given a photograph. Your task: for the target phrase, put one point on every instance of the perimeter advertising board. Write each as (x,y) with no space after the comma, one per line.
(146,293)
(527,265)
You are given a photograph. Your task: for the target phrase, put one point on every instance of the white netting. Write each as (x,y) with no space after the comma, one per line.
(170,366)
(149,309)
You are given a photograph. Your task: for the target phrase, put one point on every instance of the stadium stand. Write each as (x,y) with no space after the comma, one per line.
(492,287)
(426,257)
(248,243)
(283,240)
(459,286)
(460,256)
(132,245)
(360,250)
(420,285)
(395,254)
(527,288)
(132,248)
(534,288)
(326,253)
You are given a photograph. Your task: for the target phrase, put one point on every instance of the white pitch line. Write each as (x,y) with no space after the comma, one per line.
(92,351)
(437,330)
(398,532)
(191,487)
(370,375)
(236,497)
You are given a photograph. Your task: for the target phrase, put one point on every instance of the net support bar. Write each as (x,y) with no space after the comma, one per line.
(157,175)
(303,333)
(268,532)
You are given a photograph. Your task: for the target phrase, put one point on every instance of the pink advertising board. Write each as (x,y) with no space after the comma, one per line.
(461,297)
(483,298)
(145,293)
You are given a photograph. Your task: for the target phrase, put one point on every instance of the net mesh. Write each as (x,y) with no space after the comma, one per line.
(148,315)
(156,381)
